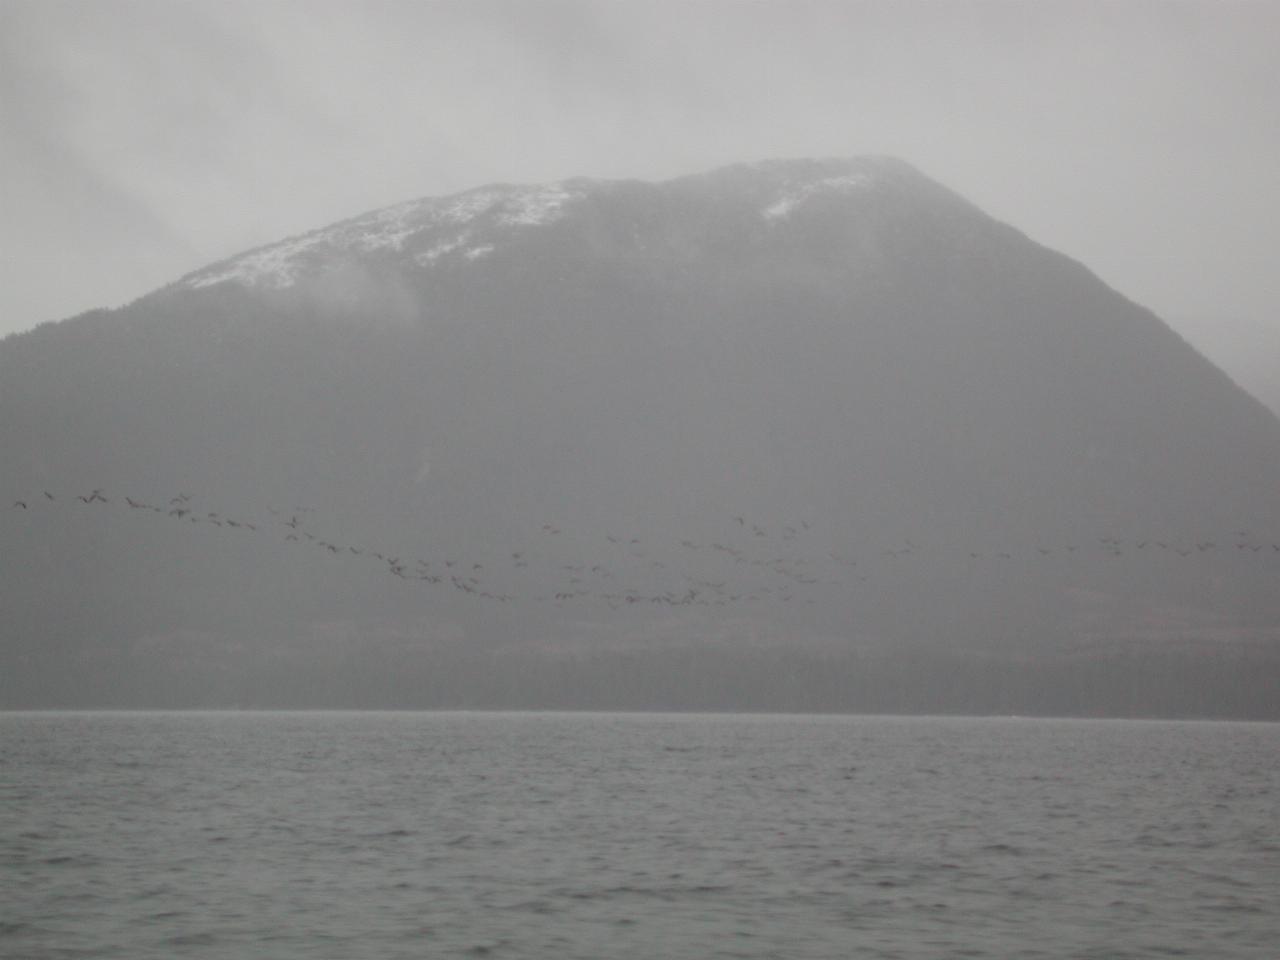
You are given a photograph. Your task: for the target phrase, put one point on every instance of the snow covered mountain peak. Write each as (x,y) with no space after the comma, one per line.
(465,226)
(455,230)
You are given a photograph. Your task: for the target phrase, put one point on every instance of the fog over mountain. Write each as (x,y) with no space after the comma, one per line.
(799,435)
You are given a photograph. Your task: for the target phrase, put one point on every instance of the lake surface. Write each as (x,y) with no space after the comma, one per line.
(390,835)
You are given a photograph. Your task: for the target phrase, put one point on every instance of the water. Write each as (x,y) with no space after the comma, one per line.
(383,835)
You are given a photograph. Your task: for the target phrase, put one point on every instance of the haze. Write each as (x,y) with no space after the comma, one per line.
(145,139)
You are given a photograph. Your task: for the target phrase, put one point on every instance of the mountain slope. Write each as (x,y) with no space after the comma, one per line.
(796,434)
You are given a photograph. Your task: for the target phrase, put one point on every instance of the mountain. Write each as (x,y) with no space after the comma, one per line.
(799,435)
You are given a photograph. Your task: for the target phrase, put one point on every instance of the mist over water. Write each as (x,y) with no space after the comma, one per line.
(377,835)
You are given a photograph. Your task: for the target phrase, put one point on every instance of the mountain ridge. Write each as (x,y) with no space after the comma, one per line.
(780,187)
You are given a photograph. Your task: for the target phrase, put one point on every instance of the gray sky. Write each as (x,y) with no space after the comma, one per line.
(140,140)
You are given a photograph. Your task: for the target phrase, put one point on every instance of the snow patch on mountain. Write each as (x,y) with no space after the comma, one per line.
(429,256)
(797,193)
(428,227)
(540,205)
(274,266)
(462,208)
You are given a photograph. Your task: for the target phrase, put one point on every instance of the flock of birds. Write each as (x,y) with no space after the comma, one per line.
(746,562)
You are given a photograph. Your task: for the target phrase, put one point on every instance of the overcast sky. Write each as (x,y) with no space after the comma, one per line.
(141,140)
